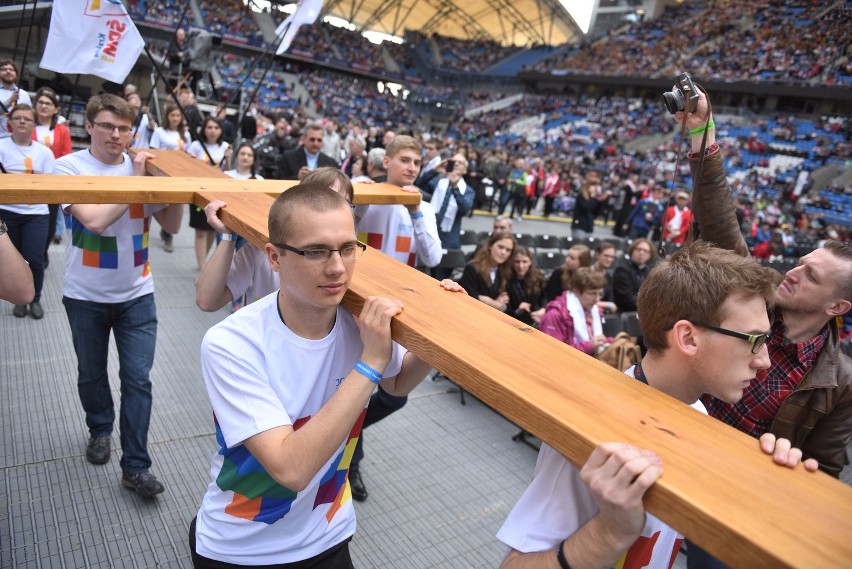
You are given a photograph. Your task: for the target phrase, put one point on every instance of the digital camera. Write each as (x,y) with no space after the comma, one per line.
(683,97)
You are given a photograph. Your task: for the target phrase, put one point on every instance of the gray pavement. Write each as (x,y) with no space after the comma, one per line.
(441,476)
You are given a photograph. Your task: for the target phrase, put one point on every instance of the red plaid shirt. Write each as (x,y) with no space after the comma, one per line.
(790,361)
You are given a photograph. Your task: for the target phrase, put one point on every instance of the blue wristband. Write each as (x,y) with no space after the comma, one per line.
(417,215)
(368,372)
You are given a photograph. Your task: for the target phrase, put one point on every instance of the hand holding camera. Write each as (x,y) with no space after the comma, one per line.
(686,100)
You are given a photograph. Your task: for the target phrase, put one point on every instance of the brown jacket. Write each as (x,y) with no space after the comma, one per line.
(817,416)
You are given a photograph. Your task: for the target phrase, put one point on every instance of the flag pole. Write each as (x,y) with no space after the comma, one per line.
(192,135)
(27,45)
(168,49)
(20,28)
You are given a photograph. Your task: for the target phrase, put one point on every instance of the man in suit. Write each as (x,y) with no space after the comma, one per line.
(294,164)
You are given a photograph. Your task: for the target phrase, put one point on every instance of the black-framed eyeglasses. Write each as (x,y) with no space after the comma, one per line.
(110,128)
(349,252)
(756,340)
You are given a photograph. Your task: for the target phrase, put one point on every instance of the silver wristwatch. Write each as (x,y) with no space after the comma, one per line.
(3,228)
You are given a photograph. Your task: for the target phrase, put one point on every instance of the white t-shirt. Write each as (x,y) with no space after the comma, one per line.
(557,503)
(217,151)
(251,275)
(31,159)
(6,99)
(168,139)
(236,174)
(113,266)
(390,229)
(259,375)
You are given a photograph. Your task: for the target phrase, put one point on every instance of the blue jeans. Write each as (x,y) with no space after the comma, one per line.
(134,324)
(28,234)
(381,405)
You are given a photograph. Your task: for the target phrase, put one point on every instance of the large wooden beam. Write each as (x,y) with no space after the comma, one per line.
(46,188)
(717,487)
(187,176)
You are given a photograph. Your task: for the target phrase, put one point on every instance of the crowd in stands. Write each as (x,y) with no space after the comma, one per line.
(164,12)
(232,18)
(731,41)
(274,92)
(346,99)
(466,55)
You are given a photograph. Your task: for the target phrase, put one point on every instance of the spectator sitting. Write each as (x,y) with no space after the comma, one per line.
(605,254)
(526,288)
(574,317)
(560,279)
(487,275)
(630,275)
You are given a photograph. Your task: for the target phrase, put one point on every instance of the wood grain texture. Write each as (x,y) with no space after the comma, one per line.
(46,188)
(717,487)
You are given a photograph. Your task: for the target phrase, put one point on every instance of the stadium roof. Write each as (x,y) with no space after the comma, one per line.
(510,22)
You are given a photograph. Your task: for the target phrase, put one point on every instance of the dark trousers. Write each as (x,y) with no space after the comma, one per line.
(381,405)
(336,557)
(28,234)
(697,558)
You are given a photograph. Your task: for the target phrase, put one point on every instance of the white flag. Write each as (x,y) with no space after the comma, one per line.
(94,37)
(306,13)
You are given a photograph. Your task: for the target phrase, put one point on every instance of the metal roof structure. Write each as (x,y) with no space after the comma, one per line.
(510,22)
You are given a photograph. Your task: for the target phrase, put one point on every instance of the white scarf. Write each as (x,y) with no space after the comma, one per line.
(581,329)
(441,189)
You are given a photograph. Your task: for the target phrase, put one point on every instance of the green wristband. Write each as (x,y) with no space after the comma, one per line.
(702,128)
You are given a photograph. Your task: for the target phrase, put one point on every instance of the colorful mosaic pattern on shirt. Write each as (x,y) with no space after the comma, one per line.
(259,498)
(402,246)
(101,252)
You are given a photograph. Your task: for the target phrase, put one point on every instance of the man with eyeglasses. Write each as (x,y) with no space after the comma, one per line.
(708,343)
(295,164)
(10,94)
(806,394)
(109,287)
(289,377)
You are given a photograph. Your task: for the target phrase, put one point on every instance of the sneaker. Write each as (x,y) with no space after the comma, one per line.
(20,310)
(98,449)
(359,491)
(143,483)
(167,241)
(36,311)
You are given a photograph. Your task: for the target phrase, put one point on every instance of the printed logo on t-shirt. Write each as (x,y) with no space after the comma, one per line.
(259,498)
(101,252)
(374,240)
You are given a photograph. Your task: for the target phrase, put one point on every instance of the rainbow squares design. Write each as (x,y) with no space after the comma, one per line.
(101,252)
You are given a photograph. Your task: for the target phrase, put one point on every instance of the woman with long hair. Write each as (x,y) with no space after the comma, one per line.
(560,279)
(629,276)
(172,134)
(245,169)
(218,154)
(487,275)
(27,224)
(586,208)
(526,288)
(605,255)
(51,131)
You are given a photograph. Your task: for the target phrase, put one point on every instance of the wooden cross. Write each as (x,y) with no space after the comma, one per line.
(717,487)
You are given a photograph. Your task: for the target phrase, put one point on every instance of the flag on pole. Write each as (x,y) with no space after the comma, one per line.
(306,13)
(94,37)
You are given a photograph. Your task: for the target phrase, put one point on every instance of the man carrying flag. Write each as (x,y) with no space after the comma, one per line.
(94,37)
